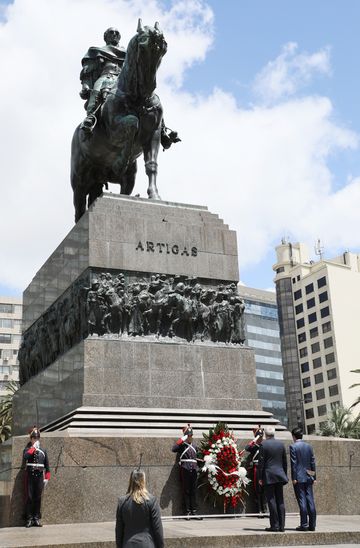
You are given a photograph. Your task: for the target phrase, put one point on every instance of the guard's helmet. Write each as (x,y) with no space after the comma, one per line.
(35,433)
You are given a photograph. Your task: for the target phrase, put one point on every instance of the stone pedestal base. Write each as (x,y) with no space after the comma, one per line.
(103,372)
(89,473)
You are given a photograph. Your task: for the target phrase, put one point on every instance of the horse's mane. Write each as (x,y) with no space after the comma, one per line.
(128,77)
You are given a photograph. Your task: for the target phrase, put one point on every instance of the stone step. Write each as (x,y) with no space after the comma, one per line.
(159,420)
(226,532)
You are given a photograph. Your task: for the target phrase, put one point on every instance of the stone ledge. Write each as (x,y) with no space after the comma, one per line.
(212,533)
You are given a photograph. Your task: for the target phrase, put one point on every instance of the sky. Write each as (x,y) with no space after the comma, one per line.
(264,95)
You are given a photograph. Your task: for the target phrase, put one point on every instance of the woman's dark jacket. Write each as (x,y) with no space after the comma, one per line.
(138,525)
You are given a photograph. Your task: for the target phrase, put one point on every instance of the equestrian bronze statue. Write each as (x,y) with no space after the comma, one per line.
(127,121)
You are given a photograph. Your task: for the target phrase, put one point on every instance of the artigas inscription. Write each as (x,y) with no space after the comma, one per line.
(169,249)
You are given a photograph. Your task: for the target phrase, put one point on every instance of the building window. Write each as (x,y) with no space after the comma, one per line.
(299,308)
(321,410)
(298,277)
(303,352)
(7,308)
(306,382)
(328,342)
(4,369)
(315,347)
(308,397)
(325,312)
(326,327)
(301,337)
(314,332)
(321,282)
(331,374)
(330,358)
(309,289)
(17,322)
(309,413)
(304,367)
(320,394)
(5,338)
(311,302)
(4,322)
(316,363)
(323,297)
(311,428)
(319,378)
(333,390)
(312,317)
(300,323)
(280,269)
(297,294)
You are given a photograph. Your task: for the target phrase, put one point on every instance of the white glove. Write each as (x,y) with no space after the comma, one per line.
(37,444)
(45,482)
(184,438)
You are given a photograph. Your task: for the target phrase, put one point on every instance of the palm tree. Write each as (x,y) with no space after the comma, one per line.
(6,410)
(341,424)
(356,402)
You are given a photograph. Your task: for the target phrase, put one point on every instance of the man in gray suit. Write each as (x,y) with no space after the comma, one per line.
(303,475)
(273,476)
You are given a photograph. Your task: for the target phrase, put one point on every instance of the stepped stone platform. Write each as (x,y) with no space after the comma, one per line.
(209,533)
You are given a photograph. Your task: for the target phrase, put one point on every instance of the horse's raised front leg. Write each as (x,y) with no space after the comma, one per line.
(150,156)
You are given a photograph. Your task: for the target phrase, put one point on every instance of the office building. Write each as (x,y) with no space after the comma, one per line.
(262,334)
(10,337)
(319,316)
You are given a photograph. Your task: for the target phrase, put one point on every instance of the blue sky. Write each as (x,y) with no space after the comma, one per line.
(240,48)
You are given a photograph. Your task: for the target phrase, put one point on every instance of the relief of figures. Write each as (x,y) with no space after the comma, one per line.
(162,306)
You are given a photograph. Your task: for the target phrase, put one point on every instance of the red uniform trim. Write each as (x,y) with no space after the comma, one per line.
(31,451)
(47,475)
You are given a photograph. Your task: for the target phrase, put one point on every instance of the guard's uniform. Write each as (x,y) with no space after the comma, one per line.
(188,473)
(37,469)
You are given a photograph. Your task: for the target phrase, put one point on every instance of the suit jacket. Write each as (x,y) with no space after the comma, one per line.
(272,462)
(138,524)
(302,459)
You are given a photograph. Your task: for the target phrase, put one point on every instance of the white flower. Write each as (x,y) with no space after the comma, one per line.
(242,472)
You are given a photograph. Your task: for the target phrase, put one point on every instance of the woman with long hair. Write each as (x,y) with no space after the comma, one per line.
(138,519)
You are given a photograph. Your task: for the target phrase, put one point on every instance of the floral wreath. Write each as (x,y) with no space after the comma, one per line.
(222,471)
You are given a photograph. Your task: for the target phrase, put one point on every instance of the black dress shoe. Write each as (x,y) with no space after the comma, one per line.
(37,523)
(271,529)
(282,530)
(29,523)
(195,516)
(311,529)
(301,528)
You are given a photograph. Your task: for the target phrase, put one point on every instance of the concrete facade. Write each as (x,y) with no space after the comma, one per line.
(10,337)
(263,335)
(319,323)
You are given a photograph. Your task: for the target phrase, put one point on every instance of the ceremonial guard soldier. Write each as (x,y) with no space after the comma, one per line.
(37,476)
(188,468)
(253,448)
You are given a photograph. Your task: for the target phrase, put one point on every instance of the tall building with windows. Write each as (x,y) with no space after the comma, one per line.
(10,337)
(319,316)
(262,334)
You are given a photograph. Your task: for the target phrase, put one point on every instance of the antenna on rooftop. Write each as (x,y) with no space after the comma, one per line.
(319,249)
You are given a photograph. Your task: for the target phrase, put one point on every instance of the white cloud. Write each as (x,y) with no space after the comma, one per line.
(289,72)
(264,170)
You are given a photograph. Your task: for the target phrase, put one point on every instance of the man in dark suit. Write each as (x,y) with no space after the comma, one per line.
(303,475)
(273,476)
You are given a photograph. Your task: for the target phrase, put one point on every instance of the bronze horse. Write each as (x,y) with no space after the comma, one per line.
(130,123)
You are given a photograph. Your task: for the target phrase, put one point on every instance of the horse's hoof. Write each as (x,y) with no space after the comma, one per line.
(154,196)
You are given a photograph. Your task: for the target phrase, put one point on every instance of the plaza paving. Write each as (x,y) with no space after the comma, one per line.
(332,531)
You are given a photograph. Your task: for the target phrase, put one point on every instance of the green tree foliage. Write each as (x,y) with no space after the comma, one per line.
(356,385)
(6,410)
(341,424)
